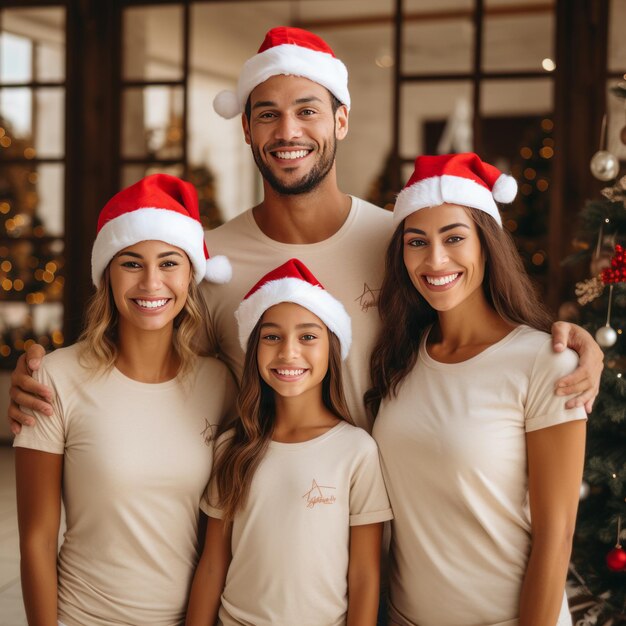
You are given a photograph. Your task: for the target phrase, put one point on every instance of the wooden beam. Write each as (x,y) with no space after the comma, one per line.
(580,101)
(382,19)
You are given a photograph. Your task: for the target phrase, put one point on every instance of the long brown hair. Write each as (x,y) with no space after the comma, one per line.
(237,457)
(100,335)
(405,313)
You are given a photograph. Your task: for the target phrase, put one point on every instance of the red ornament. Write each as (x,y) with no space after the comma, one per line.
(616,559)
(617,272)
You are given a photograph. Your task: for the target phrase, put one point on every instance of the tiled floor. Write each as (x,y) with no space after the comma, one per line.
(11,608)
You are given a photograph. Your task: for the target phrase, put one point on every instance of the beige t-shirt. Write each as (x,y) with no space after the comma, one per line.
(349,264)
(453,450)
(136,463)
(290,542)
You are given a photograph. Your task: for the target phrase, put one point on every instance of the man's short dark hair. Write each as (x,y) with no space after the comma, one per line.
(335,103)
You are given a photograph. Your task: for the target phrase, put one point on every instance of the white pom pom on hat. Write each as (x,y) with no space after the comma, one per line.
(463,179)
(293,282)
(218,270)
(290,51)
(159,207)
(226,104)
(505,189)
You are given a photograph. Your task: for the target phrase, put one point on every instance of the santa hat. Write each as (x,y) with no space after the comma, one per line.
(293,282)
(159,207)
(291,51)
(462,179)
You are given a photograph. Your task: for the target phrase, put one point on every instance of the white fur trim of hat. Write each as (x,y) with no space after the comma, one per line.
(289,59)
(311,297)
(462,179)
(129,217)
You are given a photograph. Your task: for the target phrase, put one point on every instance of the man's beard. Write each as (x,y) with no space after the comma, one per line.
(306,184)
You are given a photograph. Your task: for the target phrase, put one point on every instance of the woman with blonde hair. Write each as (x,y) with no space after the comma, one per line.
(125,449)
(482,461)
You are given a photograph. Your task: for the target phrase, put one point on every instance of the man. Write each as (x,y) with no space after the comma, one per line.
(294,100)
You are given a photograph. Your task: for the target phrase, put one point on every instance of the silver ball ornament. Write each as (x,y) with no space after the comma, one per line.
(606,336)
(604,165)
(584,490)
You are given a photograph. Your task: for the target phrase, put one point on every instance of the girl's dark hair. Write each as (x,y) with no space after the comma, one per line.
(405,313)
(238,456)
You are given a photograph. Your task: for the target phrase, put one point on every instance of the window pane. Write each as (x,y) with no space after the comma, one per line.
(225,34)
(29,130)
(152,122)
(516,6)
(504,97)
(21,325)
(153,43)
(436,117)
(32,45)
(617,41)
(16,54)
(519,42)
(49,140)
(438,46)
(417,6)
(16,120)
(132,173)
(346,9)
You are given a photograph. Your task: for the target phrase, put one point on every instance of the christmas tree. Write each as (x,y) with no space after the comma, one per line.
(598,570)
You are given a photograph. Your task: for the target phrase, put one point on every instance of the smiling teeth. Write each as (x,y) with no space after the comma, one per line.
(151,304)
(296,154)
(290,372)
(441,280)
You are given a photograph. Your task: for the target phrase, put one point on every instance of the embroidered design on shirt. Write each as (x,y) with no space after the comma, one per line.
(317,494)
(368,299)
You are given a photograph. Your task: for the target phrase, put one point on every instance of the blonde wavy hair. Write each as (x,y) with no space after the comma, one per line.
(99,337)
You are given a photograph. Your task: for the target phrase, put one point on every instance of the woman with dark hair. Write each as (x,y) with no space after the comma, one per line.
(482,461)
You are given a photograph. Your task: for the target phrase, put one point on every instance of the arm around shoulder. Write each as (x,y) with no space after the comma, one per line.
(26,391)
(583,383)
(543,407)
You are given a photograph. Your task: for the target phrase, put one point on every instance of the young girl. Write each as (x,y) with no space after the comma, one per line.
(482,461)
(296,499)
(125,448)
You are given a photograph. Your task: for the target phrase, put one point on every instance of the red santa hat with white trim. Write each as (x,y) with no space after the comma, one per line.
(158,207)
(293,282)
(290,51)
(462,179)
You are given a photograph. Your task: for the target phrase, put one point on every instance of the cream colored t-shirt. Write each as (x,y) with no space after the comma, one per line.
(453,452)
(349,264)
(290,543)
(136,463)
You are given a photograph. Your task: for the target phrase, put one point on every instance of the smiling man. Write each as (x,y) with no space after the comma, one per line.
(294,104)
